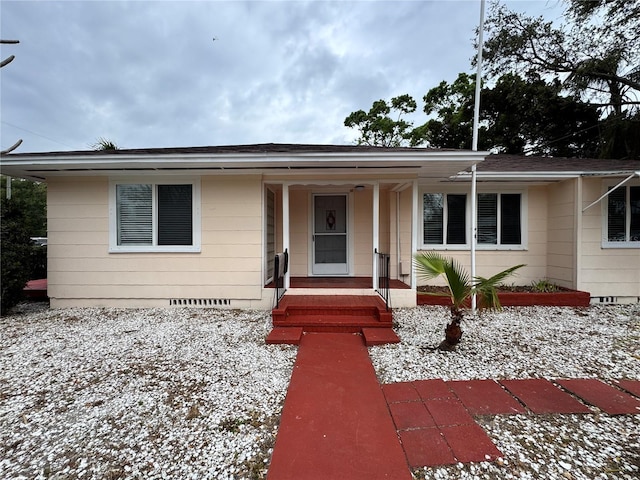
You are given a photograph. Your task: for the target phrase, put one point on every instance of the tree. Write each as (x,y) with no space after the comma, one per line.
(15,254)
(519,116)
(453,104)
(595,53)
(4,63)
(31,198)
(532,116)
(430,265)
(376,126)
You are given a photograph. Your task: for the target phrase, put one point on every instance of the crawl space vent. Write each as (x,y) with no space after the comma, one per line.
(200,302)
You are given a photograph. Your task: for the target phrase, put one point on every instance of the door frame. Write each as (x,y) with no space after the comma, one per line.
(350,230)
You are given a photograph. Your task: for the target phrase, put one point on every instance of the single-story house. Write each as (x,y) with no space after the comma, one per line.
(202,225)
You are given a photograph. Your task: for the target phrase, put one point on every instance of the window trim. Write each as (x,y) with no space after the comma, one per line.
(154,181)
(524,223)
(606,243)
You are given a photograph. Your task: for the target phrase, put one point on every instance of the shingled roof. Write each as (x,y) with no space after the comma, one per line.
(520,163)
(254,149)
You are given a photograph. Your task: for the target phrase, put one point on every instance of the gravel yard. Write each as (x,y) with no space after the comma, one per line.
(551,342)
(195,393)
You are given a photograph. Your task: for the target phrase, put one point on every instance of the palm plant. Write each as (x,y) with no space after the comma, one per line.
(430,265)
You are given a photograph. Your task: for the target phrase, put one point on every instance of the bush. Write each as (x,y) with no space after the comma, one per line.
(16,252)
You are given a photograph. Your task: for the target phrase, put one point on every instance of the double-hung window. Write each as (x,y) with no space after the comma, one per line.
(446,220)
(623,217)
(499,219)
(154,216)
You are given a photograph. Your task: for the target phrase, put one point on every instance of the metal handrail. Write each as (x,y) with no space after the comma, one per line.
(383,288)
(280,268)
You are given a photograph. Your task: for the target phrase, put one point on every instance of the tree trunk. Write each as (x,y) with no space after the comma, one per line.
(453,332)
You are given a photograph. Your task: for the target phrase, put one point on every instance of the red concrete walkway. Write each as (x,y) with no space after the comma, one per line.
(339,423)
(335,423)
(434,418)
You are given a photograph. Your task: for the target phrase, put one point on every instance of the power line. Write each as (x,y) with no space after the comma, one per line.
(36,134)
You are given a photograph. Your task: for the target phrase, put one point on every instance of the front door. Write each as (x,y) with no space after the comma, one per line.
(330,235)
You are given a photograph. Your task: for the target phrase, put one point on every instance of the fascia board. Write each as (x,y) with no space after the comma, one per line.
(92,162)
(518,175)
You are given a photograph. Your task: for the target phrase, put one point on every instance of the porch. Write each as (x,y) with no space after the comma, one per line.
(341,283)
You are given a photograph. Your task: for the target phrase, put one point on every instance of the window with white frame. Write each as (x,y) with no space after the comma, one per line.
(155,216)
(446,222)
(623,216)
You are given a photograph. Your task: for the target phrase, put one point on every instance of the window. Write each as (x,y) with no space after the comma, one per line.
(444,219)
(499,219)
(446,223)
(158,217)
(623,216)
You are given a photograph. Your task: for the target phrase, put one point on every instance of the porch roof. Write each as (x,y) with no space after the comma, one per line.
(239,159)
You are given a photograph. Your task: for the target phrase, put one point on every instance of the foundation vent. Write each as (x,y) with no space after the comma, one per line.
(200,302)
(608,300)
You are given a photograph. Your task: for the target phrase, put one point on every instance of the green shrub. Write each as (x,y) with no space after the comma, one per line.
(544,286)
(16,252)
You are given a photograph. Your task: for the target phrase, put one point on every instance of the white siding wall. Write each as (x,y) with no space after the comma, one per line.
(561,226)
(605,272)
(81,271)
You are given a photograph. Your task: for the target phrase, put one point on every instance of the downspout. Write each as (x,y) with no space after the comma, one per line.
(474,147)
(8,190)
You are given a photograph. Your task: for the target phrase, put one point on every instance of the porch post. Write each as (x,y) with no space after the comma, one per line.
(285,230)
(376,232)
(414,231)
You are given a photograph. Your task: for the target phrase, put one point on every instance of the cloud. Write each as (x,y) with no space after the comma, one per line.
(149,74)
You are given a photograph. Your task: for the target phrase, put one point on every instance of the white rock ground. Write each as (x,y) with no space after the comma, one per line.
(194,393)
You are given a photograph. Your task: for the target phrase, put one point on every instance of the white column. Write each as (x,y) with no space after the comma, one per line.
(285,231)
(474,230)
(414,231)
(376,231)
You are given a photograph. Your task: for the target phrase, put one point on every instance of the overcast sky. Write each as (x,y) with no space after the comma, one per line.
(150,74)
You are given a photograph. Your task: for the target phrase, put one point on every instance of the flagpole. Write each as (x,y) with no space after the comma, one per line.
(474,147)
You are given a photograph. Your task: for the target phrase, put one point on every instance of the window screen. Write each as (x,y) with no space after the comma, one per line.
(616,215)
(488,218)
(134,207)
(433,219)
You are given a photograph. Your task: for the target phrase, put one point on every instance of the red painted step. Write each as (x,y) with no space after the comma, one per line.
(542,396)
(335,422)
(485,397)
(379,336)
(285,335)
(608,399)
